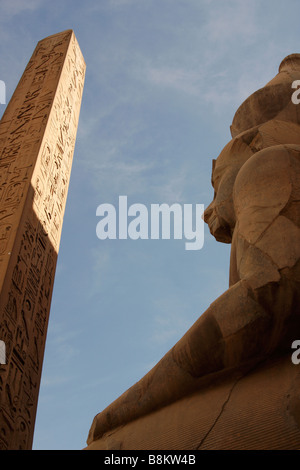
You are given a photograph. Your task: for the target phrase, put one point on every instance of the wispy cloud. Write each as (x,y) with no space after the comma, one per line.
(63,343)
(179,79)
(171,320)
(10,8)
(54,380)
(231,21)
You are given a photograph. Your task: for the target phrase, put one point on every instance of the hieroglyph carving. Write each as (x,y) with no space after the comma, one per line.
(37,139)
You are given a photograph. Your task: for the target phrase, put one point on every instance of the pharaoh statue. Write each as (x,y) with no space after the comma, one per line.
(256,181)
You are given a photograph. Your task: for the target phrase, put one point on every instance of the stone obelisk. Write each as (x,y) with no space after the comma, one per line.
(37,139)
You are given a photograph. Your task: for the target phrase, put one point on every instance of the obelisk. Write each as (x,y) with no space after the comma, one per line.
(37,139)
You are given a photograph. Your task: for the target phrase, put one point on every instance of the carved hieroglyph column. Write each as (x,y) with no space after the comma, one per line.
(37,139)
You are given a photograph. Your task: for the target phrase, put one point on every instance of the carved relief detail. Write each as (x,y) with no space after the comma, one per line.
(37,138)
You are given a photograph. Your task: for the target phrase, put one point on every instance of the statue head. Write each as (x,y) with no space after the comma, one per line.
(251,132)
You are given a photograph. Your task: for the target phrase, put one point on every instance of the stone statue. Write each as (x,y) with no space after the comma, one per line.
(256,180)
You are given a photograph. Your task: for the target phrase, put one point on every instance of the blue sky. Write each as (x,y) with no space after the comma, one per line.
(164,79)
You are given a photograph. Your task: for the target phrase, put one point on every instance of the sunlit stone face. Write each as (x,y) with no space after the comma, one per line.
(220,215)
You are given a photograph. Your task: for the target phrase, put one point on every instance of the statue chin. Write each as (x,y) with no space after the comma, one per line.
(220,230)
(222,234)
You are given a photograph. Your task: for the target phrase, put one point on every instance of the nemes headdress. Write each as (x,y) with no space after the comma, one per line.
(272,101)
